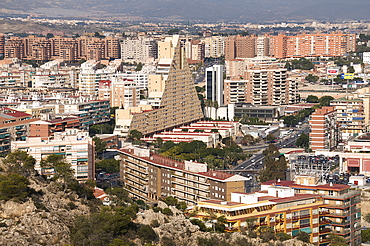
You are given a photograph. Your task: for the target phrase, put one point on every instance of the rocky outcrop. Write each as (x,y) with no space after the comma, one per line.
(42,219)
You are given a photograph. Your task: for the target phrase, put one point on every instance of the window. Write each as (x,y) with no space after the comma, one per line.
(331,193)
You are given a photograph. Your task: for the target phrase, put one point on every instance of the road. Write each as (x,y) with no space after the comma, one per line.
(251,167)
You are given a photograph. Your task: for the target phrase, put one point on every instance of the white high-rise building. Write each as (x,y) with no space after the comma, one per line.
(138,50)
(215,83)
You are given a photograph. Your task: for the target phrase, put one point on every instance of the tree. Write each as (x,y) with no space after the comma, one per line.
(100,129)
(135,135)
(283,236)
(303,141)
(336,240)
(325,100)
(270,138)
(311,78)
(312,99)
(174,31)
(97,35)
(158,142)
(147,234)
(49,35)
(108,165)
(100,145)
(290,120)
(350,69)
(14,186)
(365,235)
(303,236)
(101,228)
(19,162)
(139,66)
(247,139)
(274,165)
(61,169)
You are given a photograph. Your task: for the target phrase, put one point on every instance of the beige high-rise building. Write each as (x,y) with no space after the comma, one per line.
(266,85)
(214,46)
(14,48)
(173,100)
(121,93)
(261,85)
(37,48)
(166,48)
(194,50)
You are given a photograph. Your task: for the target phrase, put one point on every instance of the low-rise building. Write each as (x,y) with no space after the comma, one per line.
(290,207)
(75,146)
(149,176)
(14,126)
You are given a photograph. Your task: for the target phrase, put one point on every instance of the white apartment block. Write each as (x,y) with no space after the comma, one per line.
(138,50)
(75,146)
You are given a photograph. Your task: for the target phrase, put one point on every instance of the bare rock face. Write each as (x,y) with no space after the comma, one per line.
(12,209)
(42,219)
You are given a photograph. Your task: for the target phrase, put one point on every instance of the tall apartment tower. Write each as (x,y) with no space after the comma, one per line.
(266,85)
(324,129)
(2,44)
(138,50)
(214,46)
(352,115)
(215,84)
(112,48)
(173,100)
(262,46)
(14,48)
(240,47)
(194,49)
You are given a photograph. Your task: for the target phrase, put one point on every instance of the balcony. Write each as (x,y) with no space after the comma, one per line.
(324,231)
(342,223)
(324,222)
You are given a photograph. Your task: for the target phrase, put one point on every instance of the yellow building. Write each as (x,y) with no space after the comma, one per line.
(290,207)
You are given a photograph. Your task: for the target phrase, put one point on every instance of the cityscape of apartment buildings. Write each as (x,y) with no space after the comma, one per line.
(147,83)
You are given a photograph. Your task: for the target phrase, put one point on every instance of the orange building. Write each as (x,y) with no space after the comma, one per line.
(14,48)
(240,47)
(2,44)
(312,45)
(324,129)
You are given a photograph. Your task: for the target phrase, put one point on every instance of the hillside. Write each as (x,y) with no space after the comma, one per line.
(205,10)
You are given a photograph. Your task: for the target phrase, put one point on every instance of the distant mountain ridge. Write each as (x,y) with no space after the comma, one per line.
(205,10)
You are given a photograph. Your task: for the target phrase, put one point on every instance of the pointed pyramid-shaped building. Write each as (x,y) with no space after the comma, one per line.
(174,95)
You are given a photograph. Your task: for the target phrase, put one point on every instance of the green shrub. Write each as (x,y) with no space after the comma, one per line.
(147,234)
(71,205)
(157,209)
(283,236)
(167,211)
